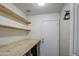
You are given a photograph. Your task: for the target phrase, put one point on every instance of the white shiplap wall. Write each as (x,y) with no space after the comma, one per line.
(7,35)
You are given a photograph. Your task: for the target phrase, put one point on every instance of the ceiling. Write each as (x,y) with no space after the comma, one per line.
(35,9)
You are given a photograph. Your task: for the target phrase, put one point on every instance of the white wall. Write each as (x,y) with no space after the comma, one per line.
(8,35)
(37,23)
(66,31)
(76,29)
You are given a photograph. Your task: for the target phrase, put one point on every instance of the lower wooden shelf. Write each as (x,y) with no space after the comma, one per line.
(18,48)
(16,28)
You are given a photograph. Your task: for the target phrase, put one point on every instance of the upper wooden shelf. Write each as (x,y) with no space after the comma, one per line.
(12,14)
(16,28)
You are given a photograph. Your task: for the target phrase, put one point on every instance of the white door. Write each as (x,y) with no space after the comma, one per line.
(50,39)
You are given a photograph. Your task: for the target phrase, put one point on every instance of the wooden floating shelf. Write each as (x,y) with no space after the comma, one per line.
(16,28)
(12,14)
(18,48)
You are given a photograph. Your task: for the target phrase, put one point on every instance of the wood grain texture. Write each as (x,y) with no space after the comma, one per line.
(16,28)
(12,14)
(18,48)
